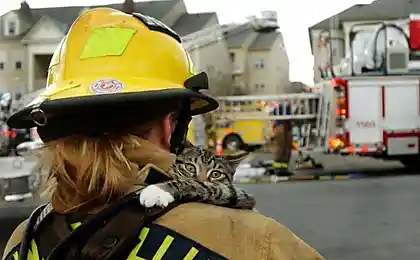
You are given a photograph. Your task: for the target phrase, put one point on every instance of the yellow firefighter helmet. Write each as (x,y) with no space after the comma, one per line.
(113,62)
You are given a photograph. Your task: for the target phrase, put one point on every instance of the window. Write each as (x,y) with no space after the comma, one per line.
(259,64)
(232,56)
(262,85)
(11,28)
(18,58)
(3,60)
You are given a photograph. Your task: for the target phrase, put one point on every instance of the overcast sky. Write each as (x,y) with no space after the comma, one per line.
(295,16)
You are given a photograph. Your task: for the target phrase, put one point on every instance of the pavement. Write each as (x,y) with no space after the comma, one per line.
(372,219)
(333,162)
(335,167)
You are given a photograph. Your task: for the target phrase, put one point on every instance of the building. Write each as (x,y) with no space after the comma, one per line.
(29,36)
(336,34)
(260,64)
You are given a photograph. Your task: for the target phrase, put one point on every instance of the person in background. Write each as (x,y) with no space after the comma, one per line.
(282,139)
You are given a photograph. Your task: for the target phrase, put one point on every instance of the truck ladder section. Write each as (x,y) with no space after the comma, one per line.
(323,122)
(301,106)
(310,110)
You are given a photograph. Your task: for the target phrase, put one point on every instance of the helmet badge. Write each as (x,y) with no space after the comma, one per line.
(106,86)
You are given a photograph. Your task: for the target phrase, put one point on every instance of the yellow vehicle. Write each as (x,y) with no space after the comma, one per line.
(233,134)
(238,123)
(242,122)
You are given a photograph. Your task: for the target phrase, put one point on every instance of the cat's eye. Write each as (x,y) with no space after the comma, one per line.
(216,175)
(190,167)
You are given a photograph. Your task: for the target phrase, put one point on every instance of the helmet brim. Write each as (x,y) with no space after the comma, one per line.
(145,102)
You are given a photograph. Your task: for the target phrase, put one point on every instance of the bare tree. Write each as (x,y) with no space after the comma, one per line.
(25,9)
(128,6)
(296,87)
(220,84)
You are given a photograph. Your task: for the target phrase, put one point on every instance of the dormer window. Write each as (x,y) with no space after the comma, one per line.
(11,27)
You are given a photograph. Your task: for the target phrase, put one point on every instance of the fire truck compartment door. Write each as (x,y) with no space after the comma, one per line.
(365,112)
(401,101)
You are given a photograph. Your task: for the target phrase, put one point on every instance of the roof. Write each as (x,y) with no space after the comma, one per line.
(65,16)
(189,23)
(264,41)
(236,37)
(377,10)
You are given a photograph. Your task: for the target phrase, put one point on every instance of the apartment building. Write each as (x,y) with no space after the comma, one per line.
(29,36)
(260,64)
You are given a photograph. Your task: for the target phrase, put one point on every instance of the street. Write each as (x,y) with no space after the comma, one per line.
(375,219)
(333,163)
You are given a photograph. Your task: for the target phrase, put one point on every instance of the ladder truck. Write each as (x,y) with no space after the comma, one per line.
(371,109)
(374,104)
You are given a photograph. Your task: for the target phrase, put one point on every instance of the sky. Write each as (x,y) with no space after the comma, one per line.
(295,16)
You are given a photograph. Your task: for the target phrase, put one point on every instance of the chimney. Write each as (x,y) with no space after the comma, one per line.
(128,6)
(25,9)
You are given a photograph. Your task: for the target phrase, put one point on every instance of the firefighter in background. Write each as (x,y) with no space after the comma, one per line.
(283,140)
(210,128)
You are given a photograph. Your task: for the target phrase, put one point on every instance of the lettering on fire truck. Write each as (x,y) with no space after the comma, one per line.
(366,124)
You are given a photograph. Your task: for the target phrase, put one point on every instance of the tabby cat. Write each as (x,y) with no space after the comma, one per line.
(201,176)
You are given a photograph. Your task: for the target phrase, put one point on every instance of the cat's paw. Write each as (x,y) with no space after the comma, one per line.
(152,195)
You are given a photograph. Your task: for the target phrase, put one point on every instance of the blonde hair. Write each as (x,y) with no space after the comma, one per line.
(88,173)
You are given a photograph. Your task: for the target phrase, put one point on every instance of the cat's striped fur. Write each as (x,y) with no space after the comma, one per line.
(202,176)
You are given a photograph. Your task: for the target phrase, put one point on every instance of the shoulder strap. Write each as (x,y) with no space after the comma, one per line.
(29,232)
(49,236)
(110,234)
(120,235)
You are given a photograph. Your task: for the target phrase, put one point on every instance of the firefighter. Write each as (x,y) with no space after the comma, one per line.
(210,129)
(121,91)
(283,141)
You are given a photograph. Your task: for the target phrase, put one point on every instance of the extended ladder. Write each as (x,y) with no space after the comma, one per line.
(311,109)
(299,106)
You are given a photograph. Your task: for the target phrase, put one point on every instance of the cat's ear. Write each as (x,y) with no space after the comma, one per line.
(188,147)
(235,159)
(188,144)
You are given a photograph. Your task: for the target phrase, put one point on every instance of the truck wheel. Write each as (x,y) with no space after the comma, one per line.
(233,142)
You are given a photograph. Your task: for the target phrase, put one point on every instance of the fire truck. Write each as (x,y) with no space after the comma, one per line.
(375,101)
(369,106)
